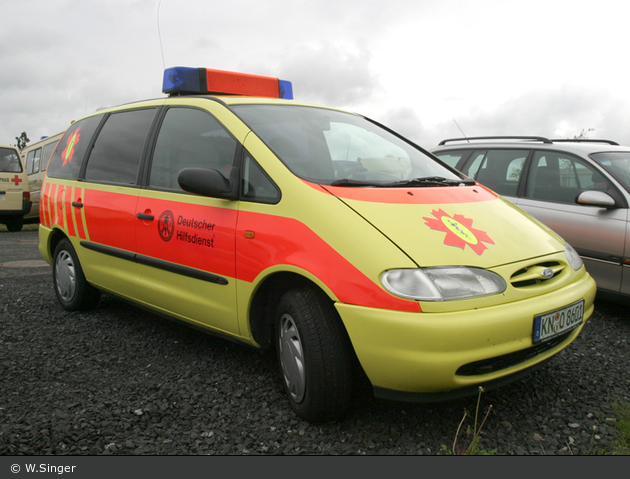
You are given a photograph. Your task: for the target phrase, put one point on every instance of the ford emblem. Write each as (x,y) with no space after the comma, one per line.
(547,273)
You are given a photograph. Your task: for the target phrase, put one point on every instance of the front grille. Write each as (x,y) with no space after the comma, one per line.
(491,365)
(533,274)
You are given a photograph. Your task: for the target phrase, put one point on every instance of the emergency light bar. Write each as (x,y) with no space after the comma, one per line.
(203,81)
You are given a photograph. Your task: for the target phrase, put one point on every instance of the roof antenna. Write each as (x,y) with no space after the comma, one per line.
(160,33)
(462,131)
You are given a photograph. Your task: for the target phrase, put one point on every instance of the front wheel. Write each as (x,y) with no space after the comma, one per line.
(315,355)
(72,289)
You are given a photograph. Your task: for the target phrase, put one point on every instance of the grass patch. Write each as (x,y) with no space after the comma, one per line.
(470,445)
(621,428)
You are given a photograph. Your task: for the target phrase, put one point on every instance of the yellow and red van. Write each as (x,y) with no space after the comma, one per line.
(322,233)
(15,198)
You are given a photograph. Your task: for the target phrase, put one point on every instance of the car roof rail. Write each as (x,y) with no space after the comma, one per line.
(529,138)
(585,140)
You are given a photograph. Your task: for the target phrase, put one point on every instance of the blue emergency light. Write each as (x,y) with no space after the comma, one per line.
(204,81)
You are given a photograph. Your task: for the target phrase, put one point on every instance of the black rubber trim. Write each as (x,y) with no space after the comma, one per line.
(597,255)
(155,263)
(468,391)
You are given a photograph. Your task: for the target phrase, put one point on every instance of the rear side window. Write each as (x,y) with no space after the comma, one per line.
(118,149)
(500,170)
(33,159)
(9,161)
(67,160)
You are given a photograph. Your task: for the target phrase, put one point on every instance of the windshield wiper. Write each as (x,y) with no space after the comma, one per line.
(435,181)
(347,182)
(425,181)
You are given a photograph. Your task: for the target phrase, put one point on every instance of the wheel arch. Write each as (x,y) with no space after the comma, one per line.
(266,298)
(53,240)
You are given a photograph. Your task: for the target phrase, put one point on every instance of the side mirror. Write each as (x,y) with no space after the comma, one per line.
(595,198)
(211,183)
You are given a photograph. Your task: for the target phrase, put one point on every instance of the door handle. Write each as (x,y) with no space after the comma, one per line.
(76,204)
(144,216)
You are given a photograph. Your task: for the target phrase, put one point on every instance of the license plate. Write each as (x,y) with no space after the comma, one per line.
(554,323)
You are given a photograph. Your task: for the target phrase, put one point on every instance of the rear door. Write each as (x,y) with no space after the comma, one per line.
(13,181)
(104,202)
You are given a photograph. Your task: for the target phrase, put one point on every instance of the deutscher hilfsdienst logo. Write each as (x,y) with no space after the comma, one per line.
(166,225)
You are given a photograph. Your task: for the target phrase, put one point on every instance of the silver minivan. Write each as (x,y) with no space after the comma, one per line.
(579,188)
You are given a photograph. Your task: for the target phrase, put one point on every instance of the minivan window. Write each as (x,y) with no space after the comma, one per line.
(327,146)
(118,149)
(67,160)
(190,138)
(257,186)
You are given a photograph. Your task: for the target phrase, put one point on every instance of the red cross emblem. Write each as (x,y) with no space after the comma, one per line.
(17,180)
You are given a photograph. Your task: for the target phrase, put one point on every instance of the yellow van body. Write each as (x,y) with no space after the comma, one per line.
(430,286)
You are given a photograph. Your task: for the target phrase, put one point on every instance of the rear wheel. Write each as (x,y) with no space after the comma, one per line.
(15,224)
(315,355)
(72,290)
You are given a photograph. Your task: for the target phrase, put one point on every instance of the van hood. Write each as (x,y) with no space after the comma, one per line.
(461,225)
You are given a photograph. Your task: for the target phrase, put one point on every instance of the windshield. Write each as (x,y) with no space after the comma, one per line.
(336,148)
(9,161)
(617,164)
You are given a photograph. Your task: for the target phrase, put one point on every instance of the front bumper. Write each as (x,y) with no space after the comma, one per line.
(416,356)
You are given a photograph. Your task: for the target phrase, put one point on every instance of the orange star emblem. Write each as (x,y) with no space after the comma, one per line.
(68,153)
(459,231)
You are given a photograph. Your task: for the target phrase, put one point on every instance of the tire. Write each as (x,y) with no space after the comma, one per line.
(15,225)
(314,354)
(72,289)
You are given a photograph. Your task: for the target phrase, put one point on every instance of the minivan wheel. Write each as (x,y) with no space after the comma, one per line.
(314,354)
(72,290)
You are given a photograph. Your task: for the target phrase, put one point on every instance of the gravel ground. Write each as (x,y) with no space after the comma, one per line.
(122,381)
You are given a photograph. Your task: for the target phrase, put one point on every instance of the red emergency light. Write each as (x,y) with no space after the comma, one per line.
(204,81)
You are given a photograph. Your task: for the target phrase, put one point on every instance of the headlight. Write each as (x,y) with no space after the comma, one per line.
(442,283)
(573,257)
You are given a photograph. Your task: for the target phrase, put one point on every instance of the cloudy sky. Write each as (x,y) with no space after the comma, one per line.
(426,68)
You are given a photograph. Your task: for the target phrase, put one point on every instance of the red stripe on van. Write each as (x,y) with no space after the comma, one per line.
(286,241)
(77,213)
(59,205)
(44,206)
(69,208)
